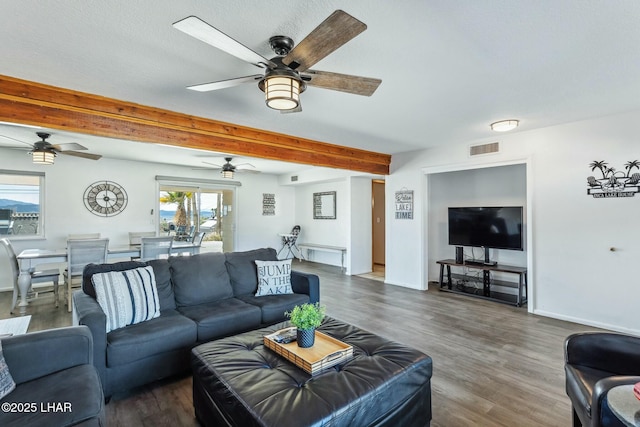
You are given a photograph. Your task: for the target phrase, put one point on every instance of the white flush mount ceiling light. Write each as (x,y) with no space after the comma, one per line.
(505,125)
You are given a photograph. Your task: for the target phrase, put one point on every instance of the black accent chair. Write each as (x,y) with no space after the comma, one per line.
(595,362)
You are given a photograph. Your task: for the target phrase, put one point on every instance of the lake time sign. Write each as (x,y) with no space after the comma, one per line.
(404,204)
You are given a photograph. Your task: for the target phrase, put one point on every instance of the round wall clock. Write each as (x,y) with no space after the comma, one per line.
(105,198)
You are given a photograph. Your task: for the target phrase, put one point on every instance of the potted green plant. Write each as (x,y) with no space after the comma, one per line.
(306,317)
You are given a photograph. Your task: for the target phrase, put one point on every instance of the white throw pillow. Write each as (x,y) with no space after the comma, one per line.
(274,277)
(127,297)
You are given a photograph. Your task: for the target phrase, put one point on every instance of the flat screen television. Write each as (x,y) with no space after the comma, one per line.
(489,227)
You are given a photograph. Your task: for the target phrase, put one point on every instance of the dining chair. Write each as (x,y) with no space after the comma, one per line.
(81,252)
(196,241)
(155,247)
(136,236)
(6,223)
(181,233)
(135,239)
(197,238)
(37,276)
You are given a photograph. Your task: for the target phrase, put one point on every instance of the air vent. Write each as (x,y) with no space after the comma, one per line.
(477,150)
(294,178)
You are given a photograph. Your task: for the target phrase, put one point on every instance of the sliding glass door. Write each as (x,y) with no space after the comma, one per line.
(186,209)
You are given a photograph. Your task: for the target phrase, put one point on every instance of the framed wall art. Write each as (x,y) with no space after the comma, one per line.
(268,204)
(324,205)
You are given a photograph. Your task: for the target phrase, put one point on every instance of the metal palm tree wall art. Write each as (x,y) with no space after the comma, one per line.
(614,183)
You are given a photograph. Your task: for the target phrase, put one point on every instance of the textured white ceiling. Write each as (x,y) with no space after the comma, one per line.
(448,67)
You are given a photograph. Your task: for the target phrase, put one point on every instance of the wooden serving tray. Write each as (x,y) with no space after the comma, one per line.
(325,353)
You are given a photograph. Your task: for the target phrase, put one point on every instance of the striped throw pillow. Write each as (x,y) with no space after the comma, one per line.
(127,297)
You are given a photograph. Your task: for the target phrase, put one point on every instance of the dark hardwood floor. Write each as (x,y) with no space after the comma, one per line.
(494,365)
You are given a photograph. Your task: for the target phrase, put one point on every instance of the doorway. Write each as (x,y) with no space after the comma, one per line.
(378,227)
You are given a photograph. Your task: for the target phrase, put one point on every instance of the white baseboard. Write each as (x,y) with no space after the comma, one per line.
(587,322)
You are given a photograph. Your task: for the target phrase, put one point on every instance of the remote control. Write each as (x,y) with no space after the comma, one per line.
(286,337)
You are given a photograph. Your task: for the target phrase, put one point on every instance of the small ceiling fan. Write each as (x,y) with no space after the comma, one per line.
(287,74)
(43,152)
(227,170)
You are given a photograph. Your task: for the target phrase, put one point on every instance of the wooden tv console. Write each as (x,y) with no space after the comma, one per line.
(487,281)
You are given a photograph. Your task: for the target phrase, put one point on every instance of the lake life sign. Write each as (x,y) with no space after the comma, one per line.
(404,204)
(614,183)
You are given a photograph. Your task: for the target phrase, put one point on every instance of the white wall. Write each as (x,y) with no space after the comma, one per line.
(254,229)
(361,230)
(351,228)
(333,232)
(67,179)
(573,273)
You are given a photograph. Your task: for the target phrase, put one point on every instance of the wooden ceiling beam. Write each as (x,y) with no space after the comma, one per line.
(37,104)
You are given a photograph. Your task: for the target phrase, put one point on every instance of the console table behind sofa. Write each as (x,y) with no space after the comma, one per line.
(325,248)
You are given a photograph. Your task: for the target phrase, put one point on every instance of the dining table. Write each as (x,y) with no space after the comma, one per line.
(28,259)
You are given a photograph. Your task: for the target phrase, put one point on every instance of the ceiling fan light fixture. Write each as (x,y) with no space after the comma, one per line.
(227,174)
(505,125)
(43,156)
(282,92)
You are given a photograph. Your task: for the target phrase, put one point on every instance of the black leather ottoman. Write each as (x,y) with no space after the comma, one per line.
(237,381)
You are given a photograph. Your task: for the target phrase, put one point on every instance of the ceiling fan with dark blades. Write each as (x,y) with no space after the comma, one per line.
(287,74)
(43,152)
(227,170)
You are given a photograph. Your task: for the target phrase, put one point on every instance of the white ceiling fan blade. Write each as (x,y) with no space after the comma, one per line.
(245,164)
(195,27)
(208,168)
(16,140)
(73,146)
(212,164)
(223,84)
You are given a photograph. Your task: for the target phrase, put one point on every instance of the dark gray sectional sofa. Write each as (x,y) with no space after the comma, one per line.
(202,298)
